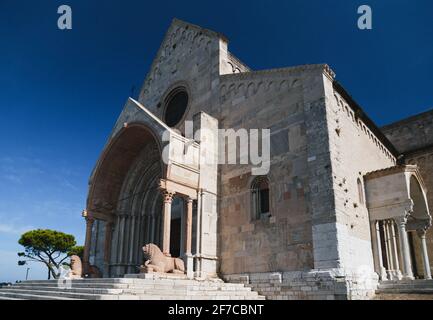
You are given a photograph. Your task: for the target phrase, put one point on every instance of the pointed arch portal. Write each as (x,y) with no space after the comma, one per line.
(142,191)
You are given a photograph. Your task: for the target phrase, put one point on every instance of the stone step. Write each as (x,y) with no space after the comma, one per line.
(402,286)
(117,288)
(75,285)
(86,280)
(61,294)
(191,287)
(29,296)
(121,281)
(131,289)
(141,285)
(135,291)
(402,296)
(193,293)
(7,298)
(406,290)
(420,282)
(73,290)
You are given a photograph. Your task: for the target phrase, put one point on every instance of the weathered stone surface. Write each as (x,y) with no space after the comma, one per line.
(316,240)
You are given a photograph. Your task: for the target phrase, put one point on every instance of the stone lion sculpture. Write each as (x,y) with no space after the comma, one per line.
(76,268)
(156,261)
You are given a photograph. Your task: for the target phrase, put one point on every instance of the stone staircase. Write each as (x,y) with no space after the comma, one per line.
(129,289)
(405,290)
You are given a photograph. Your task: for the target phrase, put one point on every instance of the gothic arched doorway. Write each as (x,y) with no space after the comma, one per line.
(124,188)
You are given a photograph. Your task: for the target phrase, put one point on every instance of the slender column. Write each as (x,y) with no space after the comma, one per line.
(377,250)
(123,232)
(115,243)
(132,240)
(168,199)
(404,247)
(394,249)
(188,240)
(198,244)
(152,229)
(108,237)
(427,272)
(188,226)
(107,247)
(87,243)
(150,237)
(388,250)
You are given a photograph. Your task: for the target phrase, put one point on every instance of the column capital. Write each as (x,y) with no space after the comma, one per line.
(90,220)
(401,221)
(87,216)
(421,233)
(123,214)
(189,200)
(168,195)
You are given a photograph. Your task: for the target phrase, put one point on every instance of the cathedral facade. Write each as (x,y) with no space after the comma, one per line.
(342,206)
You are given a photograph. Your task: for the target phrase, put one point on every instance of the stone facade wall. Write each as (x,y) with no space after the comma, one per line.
(355,151)
(232,64)
(412,133)
(316,243)
(188,56)
(414,138)
(273,100)
(308,285)
(309,157)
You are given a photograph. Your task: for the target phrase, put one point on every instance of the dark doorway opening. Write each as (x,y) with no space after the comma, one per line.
(175,232)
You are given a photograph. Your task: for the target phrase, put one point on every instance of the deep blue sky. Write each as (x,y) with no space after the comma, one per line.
(61,91)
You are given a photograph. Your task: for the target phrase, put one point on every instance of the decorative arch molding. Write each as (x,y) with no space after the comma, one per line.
(127,141)
(113,166)
(419,217)
(142,158)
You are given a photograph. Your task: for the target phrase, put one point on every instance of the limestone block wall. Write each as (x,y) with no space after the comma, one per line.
(308,285)
(414,138)
(412,133)
(355,150)
(188,56)
(342,264)
(275,100)
(232,64)
(320,197)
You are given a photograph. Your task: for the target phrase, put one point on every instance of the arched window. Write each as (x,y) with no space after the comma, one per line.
(260,198)
(360,192)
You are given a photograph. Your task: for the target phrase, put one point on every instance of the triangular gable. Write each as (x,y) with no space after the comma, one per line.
(178,32)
